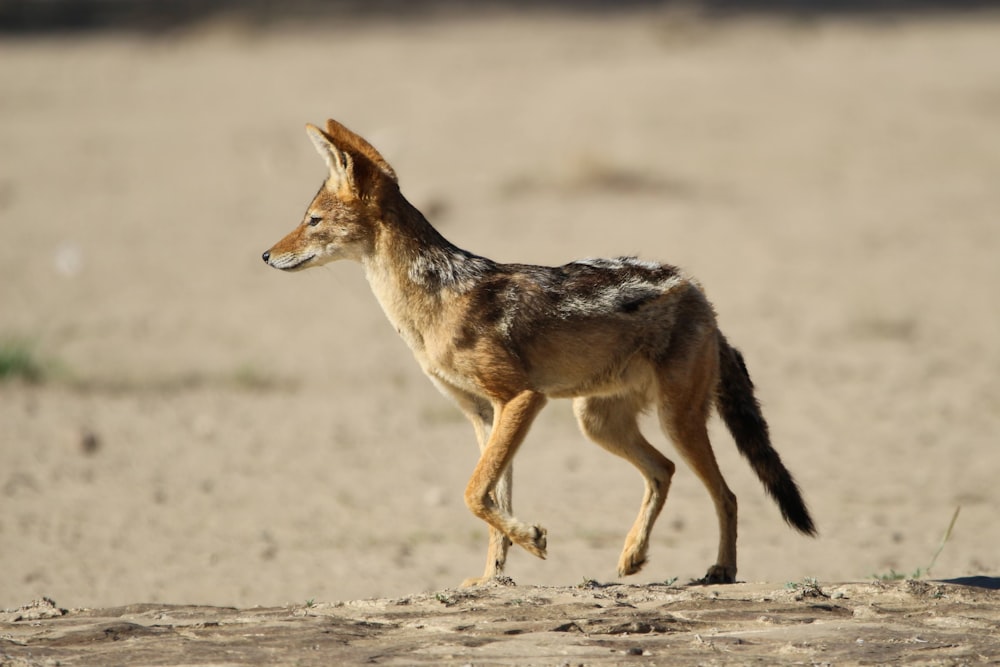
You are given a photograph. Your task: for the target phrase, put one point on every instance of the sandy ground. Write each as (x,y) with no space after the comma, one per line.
(912,623)
(214,432)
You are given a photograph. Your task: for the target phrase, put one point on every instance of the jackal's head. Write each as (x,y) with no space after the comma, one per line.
(342,220)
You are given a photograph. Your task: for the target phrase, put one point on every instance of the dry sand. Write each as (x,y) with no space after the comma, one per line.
(213,432)
(912,623)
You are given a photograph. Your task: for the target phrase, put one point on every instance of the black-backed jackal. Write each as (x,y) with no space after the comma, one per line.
(617,336)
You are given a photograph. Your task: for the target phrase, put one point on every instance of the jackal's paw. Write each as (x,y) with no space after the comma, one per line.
(719,574)
(630,563)
(533,540)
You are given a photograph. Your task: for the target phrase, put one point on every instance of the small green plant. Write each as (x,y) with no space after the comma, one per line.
(19,362)
(311,602)
(807,588)
(671,581)
(944,539)
(920,572)
(807,582)
(892,575)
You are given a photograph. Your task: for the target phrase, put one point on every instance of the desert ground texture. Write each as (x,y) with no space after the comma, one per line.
(204,450)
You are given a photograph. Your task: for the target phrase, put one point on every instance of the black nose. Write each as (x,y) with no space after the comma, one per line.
(267,255)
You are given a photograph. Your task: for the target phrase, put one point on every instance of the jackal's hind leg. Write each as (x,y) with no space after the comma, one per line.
(612,423)
(683,411)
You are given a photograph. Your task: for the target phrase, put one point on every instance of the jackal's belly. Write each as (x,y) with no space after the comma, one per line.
(591,370)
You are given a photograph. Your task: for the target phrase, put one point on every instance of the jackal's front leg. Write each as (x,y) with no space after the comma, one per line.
(496,552)
(510,425)
(480,413)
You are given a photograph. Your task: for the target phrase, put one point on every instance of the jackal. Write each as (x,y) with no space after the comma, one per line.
(618,336)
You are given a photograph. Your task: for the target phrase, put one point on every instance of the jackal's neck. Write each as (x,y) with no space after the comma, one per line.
(413,269)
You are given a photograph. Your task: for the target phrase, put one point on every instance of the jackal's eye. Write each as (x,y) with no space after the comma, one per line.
(315,220)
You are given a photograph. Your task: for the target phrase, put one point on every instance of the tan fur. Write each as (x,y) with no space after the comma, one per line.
(617,336)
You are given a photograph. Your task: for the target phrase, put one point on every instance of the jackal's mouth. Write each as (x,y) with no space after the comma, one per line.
(290,264)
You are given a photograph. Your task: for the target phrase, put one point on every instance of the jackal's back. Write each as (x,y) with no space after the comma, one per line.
(584,290)
(583,327)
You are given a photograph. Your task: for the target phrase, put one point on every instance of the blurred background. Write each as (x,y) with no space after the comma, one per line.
(47,15)
(180,423)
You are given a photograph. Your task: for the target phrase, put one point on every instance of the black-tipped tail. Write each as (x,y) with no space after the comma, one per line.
(741,412)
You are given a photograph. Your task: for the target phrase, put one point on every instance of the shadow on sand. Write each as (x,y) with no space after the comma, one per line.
(978,581)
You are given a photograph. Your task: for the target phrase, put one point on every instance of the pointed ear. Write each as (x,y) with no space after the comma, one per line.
(340,162)
(346,138)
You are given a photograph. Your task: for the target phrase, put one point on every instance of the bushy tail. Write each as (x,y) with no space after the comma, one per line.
(741,412)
